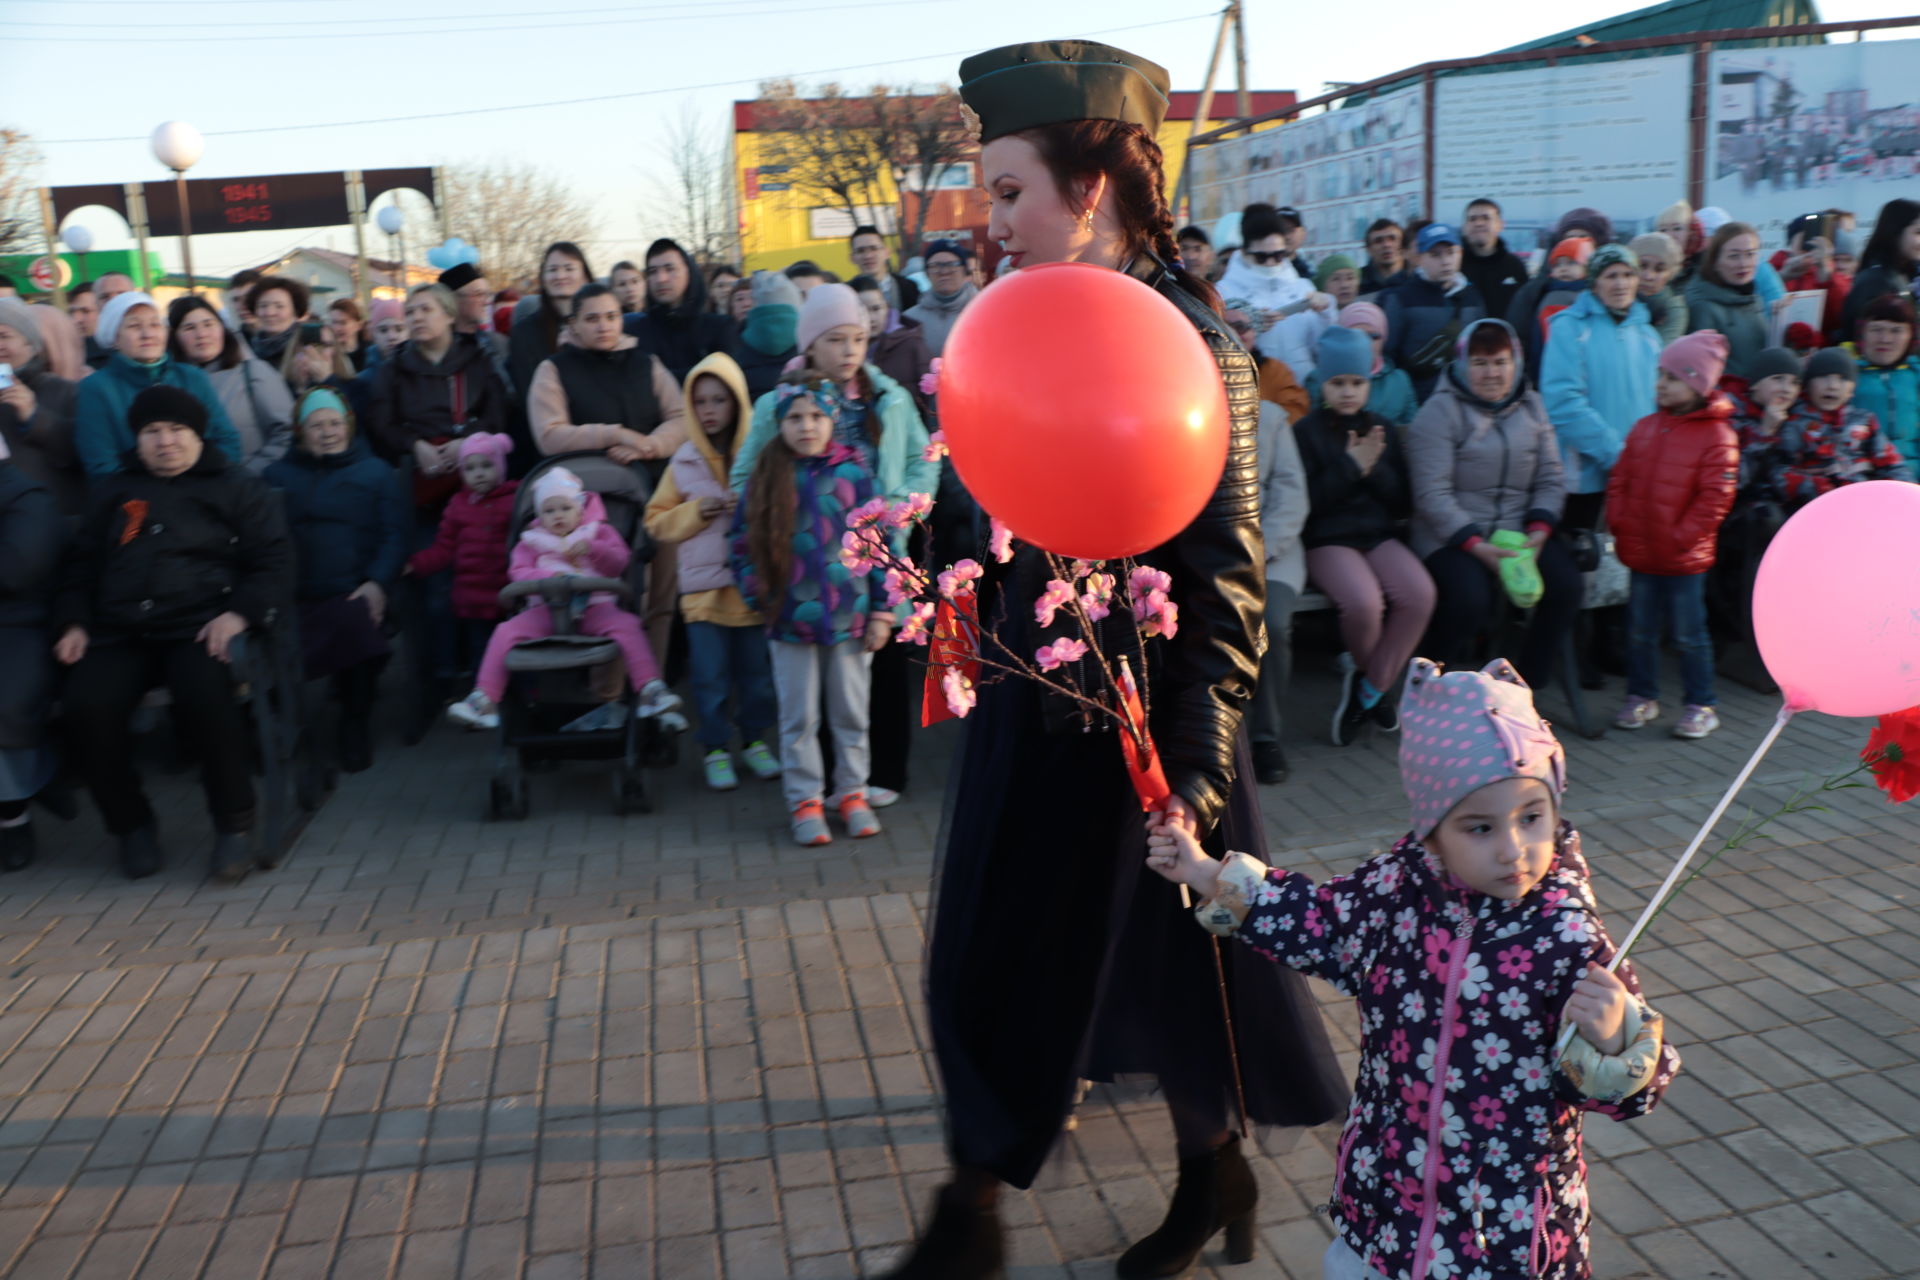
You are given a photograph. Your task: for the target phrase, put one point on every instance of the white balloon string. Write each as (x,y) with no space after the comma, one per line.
(1673,876)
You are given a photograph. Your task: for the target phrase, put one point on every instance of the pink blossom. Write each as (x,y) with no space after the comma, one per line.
(898,586)
(1097,600)
(916,507)
(1146,578)
(918,625)
(936,447)
(1157,615)
(1000,542)
(860,551)
(930,380)
(868,514)
(959,691)
(955,580)
(1055,598)
(1059,653)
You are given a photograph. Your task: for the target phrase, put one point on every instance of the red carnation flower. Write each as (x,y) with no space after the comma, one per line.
(1892,754)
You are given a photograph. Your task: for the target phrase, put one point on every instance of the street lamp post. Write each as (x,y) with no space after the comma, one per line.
(393,222)
(79,241)
(178,146)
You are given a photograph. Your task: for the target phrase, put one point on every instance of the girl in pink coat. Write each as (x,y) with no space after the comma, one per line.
(570,537)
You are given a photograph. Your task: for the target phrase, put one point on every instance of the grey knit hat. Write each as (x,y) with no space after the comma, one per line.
(1772,361)
(771,288)
(1832,361)
(18,316)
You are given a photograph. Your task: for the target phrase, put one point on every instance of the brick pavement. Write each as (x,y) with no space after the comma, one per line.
(679,1046)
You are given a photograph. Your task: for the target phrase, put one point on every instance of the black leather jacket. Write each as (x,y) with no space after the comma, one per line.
(1200,682)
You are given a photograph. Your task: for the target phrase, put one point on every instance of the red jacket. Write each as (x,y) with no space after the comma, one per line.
(472,539)
(1671,487)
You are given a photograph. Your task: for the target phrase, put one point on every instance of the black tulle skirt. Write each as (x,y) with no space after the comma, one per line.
(1056,954)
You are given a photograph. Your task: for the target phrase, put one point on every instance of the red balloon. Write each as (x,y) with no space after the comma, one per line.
(1083,410)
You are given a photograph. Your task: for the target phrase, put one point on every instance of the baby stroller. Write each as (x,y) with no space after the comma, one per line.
(553,681)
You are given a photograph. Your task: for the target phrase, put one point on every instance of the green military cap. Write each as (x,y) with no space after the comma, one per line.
(1019,86)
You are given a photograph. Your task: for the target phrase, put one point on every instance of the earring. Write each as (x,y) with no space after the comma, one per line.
(1089,217)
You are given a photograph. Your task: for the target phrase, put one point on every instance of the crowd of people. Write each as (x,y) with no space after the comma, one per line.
(1441,439)
(1443,430)
(1465,431)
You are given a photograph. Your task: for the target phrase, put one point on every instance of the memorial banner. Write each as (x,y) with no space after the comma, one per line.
(1609,135)
(1341,169)
(1801,129)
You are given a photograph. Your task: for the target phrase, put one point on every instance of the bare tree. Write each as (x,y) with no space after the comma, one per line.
(823,147)
(510,211)
(692,204)
(887,148)
(20,229)
(924,135)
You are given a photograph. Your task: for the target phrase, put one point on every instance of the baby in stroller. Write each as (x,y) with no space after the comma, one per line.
(568,537)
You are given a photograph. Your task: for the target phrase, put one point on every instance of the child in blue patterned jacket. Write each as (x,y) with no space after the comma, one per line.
(1467,946)
(823,625)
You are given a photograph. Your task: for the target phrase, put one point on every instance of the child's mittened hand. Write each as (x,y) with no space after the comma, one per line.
(1598,1006)
(1173,853)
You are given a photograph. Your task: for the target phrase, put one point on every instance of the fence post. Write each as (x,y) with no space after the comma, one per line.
(1426,196)
(1697,152)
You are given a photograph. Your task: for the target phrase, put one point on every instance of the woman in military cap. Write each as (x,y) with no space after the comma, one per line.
(1055,954)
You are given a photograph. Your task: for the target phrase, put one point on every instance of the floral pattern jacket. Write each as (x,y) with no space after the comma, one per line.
(1461,1154)
(1818,451)
(822,602)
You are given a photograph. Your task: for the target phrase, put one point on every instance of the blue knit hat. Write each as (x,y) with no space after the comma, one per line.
(824,393)
(1343,352)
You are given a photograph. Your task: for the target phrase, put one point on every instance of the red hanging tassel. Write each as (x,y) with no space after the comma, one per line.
(955,643)
(1149,779)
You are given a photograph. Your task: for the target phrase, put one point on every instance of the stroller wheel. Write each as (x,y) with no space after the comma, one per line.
(659,748)
(507,799)
(630,793)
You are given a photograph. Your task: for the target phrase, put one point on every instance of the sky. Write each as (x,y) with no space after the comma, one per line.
(90,79)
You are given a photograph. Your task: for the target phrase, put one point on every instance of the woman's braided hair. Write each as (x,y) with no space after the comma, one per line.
(1079,152)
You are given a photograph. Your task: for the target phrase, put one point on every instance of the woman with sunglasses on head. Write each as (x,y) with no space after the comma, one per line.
(1022,1006)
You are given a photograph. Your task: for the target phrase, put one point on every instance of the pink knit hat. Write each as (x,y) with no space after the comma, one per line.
(384,309)
(497,444)
(828,306)
(1462,730)
(1364,316)
(1697,360)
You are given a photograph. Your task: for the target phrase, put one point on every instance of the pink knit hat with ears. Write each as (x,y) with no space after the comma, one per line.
(498,444)
(1461,730)
(1697,360)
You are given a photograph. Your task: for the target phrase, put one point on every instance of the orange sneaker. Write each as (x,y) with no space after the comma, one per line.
(810,823)
(858,815)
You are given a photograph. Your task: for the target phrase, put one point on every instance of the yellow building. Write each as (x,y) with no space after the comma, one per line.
(780,226)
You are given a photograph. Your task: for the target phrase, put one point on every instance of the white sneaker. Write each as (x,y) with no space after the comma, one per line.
(881,797)
(475,711)
(656,699)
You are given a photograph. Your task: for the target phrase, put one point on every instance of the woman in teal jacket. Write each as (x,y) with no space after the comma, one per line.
(1597,377)
(883,426)
(132,327)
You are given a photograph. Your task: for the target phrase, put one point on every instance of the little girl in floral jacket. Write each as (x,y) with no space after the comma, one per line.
(1465,946)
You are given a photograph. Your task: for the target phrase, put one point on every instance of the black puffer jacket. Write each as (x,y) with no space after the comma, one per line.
(160,558)
(1202,680)
(414,400)
(31,534)
(1350,509)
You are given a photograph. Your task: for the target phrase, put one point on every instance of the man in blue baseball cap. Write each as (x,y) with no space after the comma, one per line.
(1430,307)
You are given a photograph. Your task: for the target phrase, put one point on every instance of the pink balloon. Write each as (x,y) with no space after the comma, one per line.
(1836,605)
